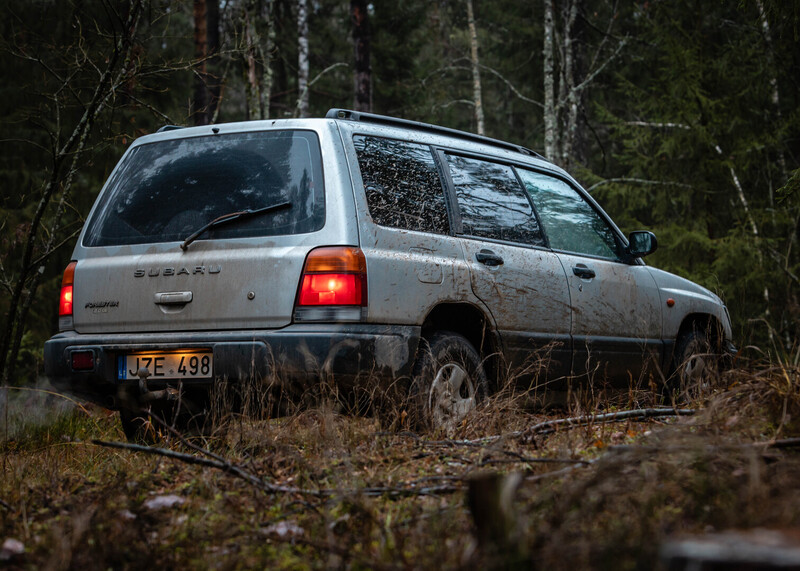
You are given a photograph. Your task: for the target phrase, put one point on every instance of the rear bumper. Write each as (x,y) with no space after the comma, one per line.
(347,355)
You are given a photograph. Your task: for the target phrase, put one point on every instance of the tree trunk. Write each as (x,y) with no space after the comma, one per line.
(476,72)
(267,16)
(302,58)
(550,118)
(66,156)
(213,75)
(362,100)
(568,73)
(200,102)
(252,83)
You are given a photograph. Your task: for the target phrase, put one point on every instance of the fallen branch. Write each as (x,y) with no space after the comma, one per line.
(226,467)
(550,425)
(766,444)
(270,488)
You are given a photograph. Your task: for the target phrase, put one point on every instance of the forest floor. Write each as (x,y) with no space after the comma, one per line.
(512,487)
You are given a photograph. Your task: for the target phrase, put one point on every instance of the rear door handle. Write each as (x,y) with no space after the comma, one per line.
(489,258)
(173,297)
(583,271)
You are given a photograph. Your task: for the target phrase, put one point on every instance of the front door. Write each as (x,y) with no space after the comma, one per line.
(616,315)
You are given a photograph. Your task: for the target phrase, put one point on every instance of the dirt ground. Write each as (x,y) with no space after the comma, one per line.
(512,487)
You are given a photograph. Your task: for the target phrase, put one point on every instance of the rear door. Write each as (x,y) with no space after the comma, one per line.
(520,281)
(616,310)
(133,274)
(413,262)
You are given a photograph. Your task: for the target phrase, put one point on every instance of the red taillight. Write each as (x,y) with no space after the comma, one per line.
(330,289)
(334,276)
(65,302)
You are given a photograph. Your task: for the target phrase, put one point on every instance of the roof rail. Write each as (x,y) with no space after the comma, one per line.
(166,128)
(385,120)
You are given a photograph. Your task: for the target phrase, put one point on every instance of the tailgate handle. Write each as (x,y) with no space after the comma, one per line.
(173,297)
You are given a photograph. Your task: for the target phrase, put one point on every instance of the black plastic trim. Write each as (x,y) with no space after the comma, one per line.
(166,128)
(349,115)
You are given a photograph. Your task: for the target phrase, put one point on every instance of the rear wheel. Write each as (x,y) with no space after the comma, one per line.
(449,381)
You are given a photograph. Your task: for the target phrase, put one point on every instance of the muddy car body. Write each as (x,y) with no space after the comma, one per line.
(361,249)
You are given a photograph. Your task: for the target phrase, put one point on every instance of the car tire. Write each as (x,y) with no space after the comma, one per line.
(449,381)
(696,363)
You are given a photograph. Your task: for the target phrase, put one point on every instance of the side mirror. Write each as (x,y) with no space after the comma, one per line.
(641,243)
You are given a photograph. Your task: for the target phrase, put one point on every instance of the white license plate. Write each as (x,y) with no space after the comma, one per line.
(180,365)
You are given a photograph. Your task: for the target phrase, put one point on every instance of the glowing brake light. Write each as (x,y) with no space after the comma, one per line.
(65,321)
(331,289)
(65,302)
(333,286)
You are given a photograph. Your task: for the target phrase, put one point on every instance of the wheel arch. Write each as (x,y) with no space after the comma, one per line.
(699,322)
(470,321)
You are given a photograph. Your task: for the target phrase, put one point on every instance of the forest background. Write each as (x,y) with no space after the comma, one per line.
(681,117)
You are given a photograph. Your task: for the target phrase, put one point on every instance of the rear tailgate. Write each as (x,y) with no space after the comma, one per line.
(136,273)
(209,287)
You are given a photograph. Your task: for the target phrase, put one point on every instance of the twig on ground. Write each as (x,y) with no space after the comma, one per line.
(219,465)
(768,444)
(555,473)
(550,425)
(520,458)
(270,488)
(5,505)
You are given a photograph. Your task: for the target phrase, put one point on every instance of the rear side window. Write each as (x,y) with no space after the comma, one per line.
(167,190)
(402,184)
(492,202)
(571,224)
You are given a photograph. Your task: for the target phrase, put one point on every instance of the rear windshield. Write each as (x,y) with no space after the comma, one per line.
(165,191)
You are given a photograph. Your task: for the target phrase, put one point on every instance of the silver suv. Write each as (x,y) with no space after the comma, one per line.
(367,250)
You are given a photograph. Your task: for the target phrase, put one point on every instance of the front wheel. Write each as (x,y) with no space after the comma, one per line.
(697,363)
(449,381)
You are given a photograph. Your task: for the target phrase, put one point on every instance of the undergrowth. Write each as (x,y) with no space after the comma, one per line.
(596,495)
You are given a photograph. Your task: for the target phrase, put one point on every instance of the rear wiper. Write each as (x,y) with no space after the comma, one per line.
(230,217)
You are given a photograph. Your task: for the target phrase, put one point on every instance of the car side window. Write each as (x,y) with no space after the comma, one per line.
(571,224)
(492,203)
(402,184)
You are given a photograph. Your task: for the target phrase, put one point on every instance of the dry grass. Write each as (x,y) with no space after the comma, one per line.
(608,497)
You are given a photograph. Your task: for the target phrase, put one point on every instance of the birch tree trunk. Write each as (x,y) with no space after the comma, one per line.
(550,118)
(476,73)
(572,100)
(302,58)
